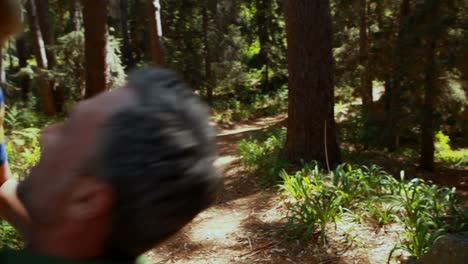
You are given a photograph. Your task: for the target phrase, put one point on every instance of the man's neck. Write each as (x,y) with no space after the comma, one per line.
(66,244)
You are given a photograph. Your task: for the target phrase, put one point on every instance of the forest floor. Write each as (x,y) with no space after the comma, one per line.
(243,226)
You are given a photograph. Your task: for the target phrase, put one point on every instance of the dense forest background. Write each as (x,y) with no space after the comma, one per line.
(363,81)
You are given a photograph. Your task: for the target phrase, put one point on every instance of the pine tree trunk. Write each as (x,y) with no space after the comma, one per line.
(393,91)
(49,41)
(156,49)
(25,82)
(46,93)
(263,37)
(431,92)
(366,79)
(127,49)
(96,37)
(311,124)
(61,14)
(208,75)
(74,26)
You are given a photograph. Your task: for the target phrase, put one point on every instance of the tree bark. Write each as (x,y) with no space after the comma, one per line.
(366,79)
(49,41)
(156,48)
(311,125)
(393,91)
(208,72)
(61,14)
(46,93)
(127,49)
(74,26)
(263,7)
(431,92)
(25,82)
(96,37)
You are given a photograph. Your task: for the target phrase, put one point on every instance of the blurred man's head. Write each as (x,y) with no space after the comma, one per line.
(127,170)
(10,18)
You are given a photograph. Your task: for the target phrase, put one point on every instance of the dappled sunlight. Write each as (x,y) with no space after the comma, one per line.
(227,221)
(252,126)
(225,161)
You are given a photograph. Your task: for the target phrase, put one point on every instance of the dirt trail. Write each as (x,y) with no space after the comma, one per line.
(242,227)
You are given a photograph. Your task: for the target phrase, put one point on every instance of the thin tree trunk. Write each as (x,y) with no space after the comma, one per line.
(311,124)
(96,37)
(263,36)
(127,49)
(428,123)
(156,49)
(42,7)
(46,93)
(393,93)
(74,25)
(21,50)
(61,14)
(366,79)
(49,40)
(431,92)
(208,75)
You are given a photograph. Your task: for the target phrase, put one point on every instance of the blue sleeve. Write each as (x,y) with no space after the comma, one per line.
(3,153)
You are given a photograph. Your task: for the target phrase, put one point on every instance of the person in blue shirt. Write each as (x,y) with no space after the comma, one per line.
(10,23)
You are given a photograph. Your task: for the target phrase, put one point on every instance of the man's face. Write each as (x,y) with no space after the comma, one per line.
(66,147)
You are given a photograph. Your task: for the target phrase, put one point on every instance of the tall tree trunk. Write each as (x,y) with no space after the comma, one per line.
(96,37)
(127,49)
(431,91)
(49,41)
(428,122)
(25,82)
(263,7)
(47,96)
(156,48)
(366,79)
(208,75)
(311,124)
(74,25)
(61,15)
(393,91)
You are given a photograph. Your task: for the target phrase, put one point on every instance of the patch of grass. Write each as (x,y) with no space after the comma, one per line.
(264,154)
(457,159)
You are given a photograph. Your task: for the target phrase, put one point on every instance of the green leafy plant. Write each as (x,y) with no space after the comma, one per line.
(381,213)
(265,154)
(9,237)
(455,158)
(428,212)
(315,203)
(23,150)
(17,118)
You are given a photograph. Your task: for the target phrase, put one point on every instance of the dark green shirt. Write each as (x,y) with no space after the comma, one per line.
(8,256)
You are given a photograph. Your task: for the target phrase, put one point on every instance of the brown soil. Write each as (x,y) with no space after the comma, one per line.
(243,226)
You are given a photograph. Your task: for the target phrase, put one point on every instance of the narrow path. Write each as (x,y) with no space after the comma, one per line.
(241,226)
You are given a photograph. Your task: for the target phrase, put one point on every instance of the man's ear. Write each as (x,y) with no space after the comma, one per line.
(90,198)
